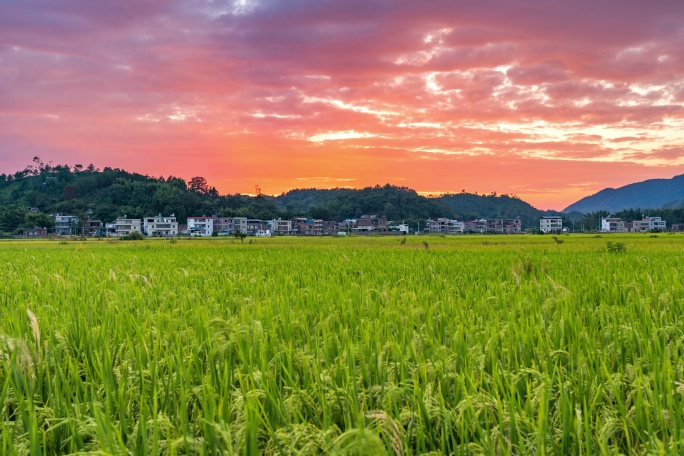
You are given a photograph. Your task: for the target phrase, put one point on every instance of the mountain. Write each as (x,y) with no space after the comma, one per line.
(28,196)
(649,194)
(677,204)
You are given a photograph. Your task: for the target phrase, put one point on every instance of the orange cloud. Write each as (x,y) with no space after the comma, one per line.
(549,100)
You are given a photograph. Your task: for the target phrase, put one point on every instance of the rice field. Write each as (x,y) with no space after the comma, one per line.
(361,346)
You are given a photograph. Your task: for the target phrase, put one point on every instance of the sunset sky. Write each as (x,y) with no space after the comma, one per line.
(549,100)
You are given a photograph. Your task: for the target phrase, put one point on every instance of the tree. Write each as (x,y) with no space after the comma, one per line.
(134,236)
(69,192)
(40,219)
(199,184)
(240,235)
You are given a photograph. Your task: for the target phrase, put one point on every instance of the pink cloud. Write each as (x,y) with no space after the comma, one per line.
(433,93)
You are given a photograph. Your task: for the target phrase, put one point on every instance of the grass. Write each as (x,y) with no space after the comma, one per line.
(516,345)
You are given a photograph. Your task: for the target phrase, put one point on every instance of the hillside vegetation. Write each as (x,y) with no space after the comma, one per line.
(108,193)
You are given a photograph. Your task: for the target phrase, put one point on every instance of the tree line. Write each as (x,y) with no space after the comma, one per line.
(105,194)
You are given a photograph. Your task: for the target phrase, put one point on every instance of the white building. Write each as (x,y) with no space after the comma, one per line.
(656,223)
(649,223)
(201,226)
(455,227)
(124,226)
(161,226)
(281,227)
(613,225)
(403,228)
(551,224)
(66,225)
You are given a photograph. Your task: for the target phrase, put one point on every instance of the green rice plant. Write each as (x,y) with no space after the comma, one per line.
(337,345)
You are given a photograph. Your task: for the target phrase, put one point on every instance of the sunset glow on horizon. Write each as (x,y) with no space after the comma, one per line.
(547,100)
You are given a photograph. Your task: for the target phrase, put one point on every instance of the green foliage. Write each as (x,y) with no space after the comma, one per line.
(111,192)
(134,236)
(615,247)
(240,235)
(401,203)
(468,206)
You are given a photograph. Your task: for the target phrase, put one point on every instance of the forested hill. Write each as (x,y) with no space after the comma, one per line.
(653,193)
(401,203)
(470,206)
(105,194)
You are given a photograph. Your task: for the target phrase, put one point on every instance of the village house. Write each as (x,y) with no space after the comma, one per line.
(317,227)
(94,228)
(455,227)
(302,226)
(613,225)
(346,225)
(32,233)
(257,227)
(330,227)
(403,228)
(495,226)
(551,224)
(222,225)
(448,226)
(200,226)
(124,226)
(240,224)
(161,226)
(438,226)
(66,225)
(227,226)
(475,226)
(647,224)
(444,226)
(281,227)
(371,223)
(512,226)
